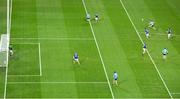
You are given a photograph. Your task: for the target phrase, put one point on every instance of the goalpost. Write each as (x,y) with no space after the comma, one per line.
(4,45)
(4,48)
(5,38)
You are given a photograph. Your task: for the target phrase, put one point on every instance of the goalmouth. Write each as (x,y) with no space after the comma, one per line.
(4,48)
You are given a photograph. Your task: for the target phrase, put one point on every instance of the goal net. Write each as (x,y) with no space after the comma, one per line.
(4,48)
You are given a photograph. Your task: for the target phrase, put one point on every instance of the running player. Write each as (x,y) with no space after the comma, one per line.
(115,78)
(146,32)
(169,31)
(152,25)
(164,53)
(76,58)
(144,49)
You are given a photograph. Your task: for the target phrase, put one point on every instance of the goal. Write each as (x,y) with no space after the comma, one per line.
(4,48)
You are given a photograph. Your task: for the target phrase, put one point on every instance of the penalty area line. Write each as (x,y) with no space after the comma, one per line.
(39,55)
(40,65)
(23,75)
(63,38)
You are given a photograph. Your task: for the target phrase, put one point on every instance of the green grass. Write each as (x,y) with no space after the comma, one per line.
(28,55)
(60,29)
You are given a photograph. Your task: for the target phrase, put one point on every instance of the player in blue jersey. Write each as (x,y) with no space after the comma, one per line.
(115,78)
(144,49)
(146,32)
(169,31)
(164,53)
(76,58)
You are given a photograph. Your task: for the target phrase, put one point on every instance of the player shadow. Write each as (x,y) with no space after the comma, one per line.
(80,66)
(120,87)
(3,70)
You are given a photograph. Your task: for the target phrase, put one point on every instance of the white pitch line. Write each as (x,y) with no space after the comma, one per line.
(57,82)
(40,65)
(97,46)
(9,13)
(147,50)
(25,43)
(63,38)
(23,75)
(175,93)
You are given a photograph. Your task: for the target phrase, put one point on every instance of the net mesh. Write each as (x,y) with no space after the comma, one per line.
(4,44)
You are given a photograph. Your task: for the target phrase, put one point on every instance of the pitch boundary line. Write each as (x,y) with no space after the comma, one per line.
(147,50)
(9,13)
(63,38)
(57,82)
(97,46)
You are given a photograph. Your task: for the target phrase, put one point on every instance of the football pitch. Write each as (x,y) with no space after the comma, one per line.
(45,34)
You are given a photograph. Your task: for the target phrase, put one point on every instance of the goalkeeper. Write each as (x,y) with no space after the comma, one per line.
(11,52)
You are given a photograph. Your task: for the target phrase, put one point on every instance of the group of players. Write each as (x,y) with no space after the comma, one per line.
(76,56)
(115,75)
(88,17)
(151,25)
(169,35)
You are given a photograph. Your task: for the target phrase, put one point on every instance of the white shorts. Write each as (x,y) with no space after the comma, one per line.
(144,49)
(76,60)
(96,18)
(147,35)
(11,52)
(169,35)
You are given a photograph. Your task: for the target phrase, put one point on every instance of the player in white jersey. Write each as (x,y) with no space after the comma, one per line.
(152,25)
(115,78)
(164,53)
(88,17)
